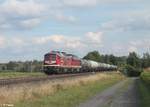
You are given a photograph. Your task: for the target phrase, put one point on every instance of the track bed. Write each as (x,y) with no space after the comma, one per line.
(13,81)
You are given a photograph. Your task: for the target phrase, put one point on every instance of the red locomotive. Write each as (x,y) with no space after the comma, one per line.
(61,62)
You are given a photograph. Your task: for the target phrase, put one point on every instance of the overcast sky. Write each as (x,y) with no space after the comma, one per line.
(31,28)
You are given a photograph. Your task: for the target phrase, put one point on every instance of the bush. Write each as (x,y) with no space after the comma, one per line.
(131,71)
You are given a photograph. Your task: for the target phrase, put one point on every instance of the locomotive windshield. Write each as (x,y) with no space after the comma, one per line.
(47,56)
(53,57)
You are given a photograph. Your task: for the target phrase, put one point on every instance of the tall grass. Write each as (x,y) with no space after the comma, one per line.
(33,91)
(144,89)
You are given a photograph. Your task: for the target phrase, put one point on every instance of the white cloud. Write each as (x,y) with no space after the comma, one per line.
(17,8)
(48,39)
(12,42)
(130,21)
(75,44)
(80,3)
(21,13)
(63,18)
(88,38)
(29,23)
(94,37)
(27,14)
(17,41)
(2,41)
(136,43)
(132,49)
(141,44)
(87,3)
(57,38)
(61,40)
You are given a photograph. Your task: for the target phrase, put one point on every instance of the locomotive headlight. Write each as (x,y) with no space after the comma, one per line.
(53,62)
(46,61)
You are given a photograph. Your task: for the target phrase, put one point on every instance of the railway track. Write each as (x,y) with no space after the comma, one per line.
(13,81)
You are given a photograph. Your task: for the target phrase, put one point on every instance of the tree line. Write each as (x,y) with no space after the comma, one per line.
(132,62)
(19,66)
(131,65)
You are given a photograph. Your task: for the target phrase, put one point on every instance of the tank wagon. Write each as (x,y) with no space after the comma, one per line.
(56,62)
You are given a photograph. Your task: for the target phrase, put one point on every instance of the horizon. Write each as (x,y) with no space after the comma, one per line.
(31,28)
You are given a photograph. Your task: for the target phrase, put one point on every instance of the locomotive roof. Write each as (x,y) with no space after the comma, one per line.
(64,54)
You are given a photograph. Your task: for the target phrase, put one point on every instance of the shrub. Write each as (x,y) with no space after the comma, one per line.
(131,71)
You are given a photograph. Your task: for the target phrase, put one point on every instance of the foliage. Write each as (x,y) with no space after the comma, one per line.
(130,65)
(146,77)
(27,66)
(133,65)
(133,60)
(146,60)
(94,55)
(131,71)
(11,65)
(110,59)
(144,89)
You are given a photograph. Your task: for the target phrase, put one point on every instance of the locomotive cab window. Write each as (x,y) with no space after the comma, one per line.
(53,57)
(47,56)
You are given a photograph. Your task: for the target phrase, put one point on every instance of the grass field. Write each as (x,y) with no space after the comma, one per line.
(144,88)
(70,93)
(19,74)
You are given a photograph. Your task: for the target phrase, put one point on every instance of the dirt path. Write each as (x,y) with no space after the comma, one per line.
(123,94)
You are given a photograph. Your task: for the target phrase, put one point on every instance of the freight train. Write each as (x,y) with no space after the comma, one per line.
(56,62)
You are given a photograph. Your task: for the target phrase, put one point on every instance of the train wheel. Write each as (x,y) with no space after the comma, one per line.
(50,71)
(47,71)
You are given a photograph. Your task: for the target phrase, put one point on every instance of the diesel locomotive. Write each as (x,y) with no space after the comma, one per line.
(56,62)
